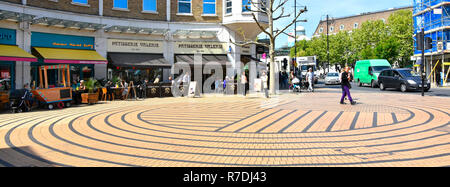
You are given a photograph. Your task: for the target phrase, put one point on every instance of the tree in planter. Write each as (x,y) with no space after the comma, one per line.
(92,96)
(273,12)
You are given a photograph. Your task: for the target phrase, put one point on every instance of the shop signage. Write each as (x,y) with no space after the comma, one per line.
(135,46)
(7,36)
(200,47)
(39,39)
(246,50)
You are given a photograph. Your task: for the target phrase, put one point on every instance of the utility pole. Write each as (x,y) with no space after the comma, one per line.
(422,65)
(295,36)
(328,48)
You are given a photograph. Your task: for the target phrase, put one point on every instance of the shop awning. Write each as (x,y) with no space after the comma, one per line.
(14,53)
(70,56)
(138,60)
(222,59)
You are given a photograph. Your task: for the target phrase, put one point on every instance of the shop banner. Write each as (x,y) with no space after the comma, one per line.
(135,46)
(200,48)
(39,39)
(7,36)
(246,50)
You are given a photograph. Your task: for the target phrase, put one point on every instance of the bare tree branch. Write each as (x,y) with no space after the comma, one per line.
(280,4)
(260,26)
(246,43)
(281,15)
(290,24)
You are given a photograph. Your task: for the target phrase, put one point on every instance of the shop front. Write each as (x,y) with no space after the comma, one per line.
(9,54)
(55,49)
(198,55)
(136,61)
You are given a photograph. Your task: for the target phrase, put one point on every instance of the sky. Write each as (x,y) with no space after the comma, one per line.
(318,9)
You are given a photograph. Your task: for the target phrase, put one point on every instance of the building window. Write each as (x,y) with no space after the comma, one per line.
(149,5)
(342,27)
(321,30)
(246,5)
(80,1)
(331,29)
(122,4)
(184,6)
(229,7)
(355,26)
(384,20)
(209,7)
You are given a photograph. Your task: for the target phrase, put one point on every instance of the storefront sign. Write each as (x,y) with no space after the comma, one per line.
(39,39)
(200,47)
(7,36)
(135,46)
(246,50)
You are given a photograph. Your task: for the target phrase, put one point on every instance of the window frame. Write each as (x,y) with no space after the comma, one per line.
(342,27)
(120,8)
(76,3)
(215,8)
(355,25)
(178,7)
(150,11)
(226,7)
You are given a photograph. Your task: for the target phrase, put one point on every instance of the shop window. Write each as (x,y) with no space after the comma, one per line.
(149,5)
(80,1)
(209,7)
(246,5)
(5,78)
(184,6)
(122,4)
(229,7)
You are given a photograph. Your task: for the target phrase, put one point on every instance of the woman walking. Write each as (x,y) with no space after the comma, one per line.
(345,84)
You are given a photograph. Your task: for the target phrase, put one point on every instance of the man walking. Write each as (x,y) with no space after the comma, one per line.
(310,79)
(345,84)
(265,80)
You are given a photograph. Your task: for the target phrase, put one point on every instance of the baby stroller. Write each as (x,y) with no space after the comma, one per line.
(20,101)
(296,85)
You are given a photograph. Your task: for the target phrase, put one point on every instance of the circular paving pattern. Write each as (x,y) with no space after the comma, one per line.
(291,130)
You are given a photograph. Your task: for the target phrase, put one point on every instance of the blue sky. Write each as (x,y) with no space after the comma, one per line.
(318,9)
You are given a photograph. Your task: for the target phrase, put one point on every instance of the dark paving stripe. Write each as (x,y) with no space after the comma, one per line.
(394,118)
(292,123)
(259,131)
(240,120)
(313,122)
(355,119)
(375,118)
(334,121)
(25,153)
(260,119)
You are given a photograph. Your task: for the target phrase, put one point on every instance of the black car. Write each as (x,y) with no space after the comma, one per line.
(403,79)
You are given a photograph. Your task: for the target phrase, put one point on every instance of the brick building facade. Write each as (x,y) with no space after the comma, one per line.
(335,25)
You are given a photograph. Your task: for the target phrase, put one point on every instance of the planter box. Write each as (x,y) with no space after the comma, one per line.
(89,98)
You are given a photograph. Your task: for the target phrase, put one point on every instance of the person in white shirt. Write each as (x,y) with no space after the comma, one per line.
(186,80)
(244,83)
(310,79)
(264,79)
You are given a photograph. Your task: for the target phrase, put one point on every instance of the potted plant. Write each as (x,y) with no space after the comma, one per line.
(91,97)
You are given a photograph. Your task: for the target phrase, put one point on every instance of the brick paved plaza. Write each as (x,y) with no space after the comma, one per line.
(389,129)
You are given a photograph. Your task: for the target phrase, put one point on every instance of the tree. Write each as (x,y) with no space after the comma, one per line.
(273,12)
(401,28)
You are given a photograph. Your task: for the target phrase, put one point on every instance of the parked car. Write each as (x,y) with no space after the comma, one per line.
(332,78)
(404,79)
(367,71)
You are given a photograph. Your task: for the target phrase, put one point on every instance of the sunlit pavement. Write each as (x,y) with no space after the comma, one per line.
(290,129)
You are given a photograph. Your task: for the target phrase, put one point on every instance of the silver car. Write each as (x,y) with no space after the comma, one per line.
(332,78)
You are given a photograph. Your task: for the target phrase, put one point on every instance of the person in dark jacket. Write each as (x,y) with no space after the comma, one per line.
(345,84)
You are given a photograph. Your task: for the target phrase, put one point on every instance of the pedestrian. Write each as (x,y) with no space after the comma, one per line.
(186,81)
(225,82)
(216,85)
(244,84)
(125,90)
(265,79)
(345,84)
(310,79)
(144,87)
